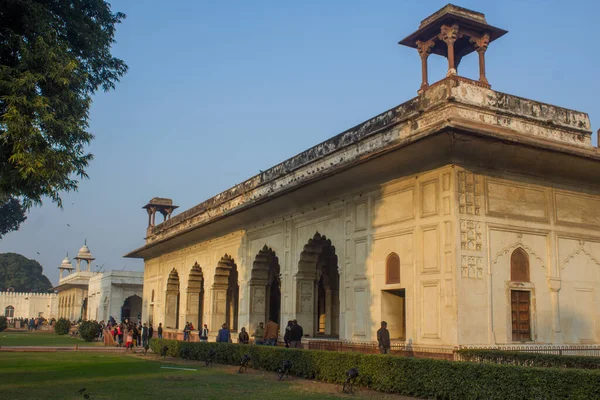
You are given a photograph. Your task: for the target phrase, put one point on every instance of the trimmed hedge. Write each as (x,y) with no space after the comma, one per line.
(407,376)
(3,323)
(62,326)
(529,359)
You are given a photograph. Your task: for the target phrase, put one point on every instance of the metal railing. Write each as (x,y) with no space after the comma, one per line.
(571,350)
(397,348)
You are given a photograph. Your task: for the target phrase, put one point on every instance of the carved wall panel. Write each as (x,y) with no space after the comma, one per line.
(469,193)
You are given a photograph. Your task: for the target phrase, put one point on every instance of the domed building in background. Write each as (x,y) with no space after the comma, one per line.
(83,294)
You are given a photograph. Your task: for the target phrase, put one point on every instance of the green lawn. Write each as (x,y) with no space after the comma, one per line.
(61,375)
(41,339)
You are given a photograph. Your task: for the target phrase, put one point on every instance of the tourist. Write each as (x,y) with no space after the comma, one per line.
(271,333)
(120,334)
(243,337)
(160,330)
(259,334)
(288,331)
(129,343)
(134,334)
(224,336)
(144,336)
(186,332)
(204,334)
(296,334)
(150,332)
(383,339)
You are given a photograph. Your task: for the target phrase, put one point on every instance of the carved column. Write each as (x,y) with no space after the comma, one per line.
(554,285)
(449,35)
(424,49)
(481,45)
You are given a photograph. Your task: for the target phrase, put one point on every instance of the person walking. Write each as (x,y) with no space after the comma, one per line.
(259,334)
(243,337)
(296,334)
(383,339)
(204,334)
(288,331)
(159,330)
(271,333)
(224,336)
(144,336)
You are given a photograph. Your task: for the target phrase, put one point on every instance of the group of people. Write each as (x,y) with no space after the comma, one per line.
(265,335)
(133,335)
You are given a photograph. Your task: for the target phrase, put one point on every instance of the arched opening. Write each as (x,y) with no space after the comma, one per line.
(132,308)
(172,301)
(151,309)
(83,312)
(392,269)
(520,300)
(393,299)
(265,288)
(318,283)
(195,296)
(519,266)
(226,293)
(9,312)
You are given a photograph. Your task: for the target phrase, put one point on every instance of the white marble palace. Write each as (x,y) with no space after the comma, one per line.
(463,216)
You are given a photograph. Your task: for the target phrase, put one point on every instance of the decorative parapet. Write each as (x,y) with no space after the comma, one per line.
(24,294)
(453,102)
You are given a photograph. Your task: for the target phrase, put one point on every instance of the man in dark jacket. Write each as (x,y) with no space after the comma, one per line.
(383,339)
(150,332)
(160,330)
(296,334)
(144,336)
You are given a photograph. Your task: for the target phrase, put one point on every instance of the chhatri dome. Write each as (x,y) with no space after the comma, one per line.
(65,266)
(86,255)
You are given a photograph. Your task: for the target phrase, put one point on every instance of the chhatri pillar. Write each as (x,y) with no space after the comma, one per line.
(453,32)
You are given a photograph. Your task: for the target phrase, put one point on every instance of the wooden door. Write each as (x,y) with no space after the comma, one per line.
(521,324)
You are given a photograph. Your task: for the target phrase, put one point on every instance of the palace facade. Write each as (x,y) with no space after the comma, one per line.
(463,216)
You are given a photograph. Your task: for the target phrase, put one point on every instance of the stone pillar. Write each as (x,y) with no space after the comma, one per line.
(171,313)
(449,35)
(305,303)
(481,46)
(192,307)
(219,306)
(424,49)
(554,285)
(258,305)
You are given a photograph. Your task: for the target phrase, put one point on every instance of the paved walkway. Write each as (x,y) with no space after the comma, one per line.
(92,349)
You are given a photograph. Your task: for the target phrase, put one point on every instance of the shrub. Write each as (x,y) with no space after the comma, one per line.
(407,376)
(529,359)
(89,330)
(3,323)
(62,326)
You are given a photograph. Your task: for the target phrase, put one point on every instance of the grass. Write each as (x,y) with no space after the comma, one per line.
(41,339)
(104,376)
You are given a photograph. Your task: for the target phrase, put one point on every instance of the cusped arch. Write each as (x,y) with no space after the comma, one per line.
(196,278)
(173,280)
(392,269)
(264,260)
(519,266)
(318,252)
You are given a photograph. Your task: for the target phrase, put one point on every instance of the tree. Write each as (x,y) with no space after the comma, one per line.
(12,214)
(54,55)
(22,274)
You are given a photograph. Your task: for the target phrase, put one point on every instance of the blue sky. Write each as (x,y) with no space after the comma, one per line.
(218,90)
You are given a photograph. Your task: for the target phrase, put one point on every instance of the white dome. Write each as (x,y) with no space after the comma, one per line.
(66,263)
(84,253)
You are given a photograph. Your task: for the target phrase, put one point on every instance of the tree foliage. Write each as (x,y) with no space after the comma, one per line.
(62,326)
(22,274)
(3,323)
(12,214)
(54,55)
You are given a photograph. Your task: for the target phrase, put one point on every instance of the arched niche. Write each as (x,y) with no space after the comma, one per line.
(519,266)
(317,286)
(265,288)
(392,269)
(195,296)
(226,293)
(172,301)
